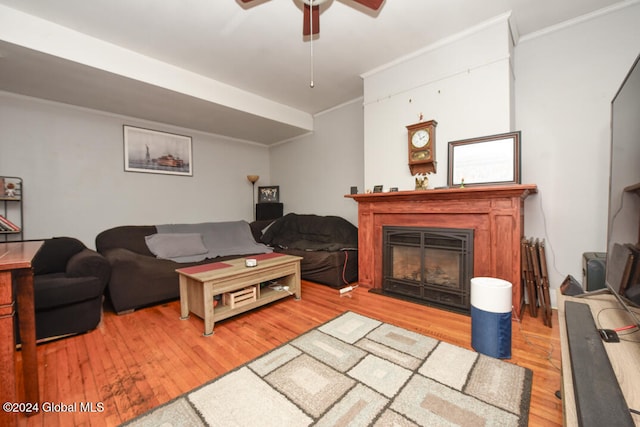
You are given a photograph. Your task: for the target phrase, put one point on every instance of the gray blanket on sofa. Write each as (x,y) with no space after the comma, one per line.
(220,239)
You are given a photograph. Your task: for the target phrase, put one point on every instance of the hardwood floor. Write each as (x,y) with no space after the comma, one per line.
(134,362)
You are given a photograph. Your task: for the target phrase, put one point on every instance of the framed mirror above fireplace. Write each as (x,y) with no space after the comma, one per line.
(488,160)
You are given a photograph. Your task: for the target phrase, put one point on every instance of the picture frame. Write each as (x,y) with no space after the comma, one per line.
(377,188)
(269,194)
(152,151)
(487,160)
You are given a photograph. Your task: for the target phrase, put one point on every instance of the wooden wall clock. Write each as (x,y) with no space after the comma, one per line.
(422,147)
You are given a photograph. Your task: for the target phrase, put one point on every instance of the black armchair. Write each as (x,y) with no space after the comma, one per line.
(69,283)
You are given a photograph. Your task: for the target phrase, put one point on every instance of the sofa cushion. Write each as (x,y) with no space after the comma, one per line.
(335,269)
(175,246)
(57,289)
(89,263)
(54,254)
(130,237)
(311,232)
(259,227)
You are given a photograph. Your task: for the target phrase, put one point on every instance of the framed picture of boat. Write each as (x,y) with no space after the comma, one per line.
(152,151)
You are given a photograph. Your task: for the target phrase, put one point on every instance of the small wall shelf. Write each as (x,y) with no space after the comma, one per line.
(11,217)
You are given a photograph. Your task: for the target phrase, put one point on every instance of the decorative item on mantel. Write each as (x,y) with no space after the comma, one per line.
(422,181)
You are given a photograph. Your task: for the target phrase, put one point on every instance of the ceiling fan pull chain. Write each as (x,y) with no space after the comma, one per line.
(311,84)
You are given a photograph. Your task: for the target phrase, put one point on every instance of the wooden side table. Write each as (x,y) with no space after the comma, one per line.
(15,265)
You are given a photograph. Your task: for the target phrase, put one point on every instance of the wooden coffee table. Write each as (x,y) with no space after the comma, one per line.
(239,284)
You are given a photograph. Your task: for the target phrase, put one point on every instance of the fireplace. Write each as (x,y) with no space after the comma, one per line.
(428,265)
(494,213)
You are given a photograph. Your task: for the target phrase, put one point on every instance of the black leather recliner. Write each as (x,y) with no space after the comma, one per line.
(69,283)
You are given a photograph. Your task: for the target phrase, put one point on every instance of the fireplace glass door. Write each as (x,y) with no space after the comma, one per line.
(429,265)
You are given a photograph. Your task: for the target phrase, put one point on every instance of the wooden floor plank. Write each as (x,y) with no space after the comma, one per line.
(137,361)
(102,367)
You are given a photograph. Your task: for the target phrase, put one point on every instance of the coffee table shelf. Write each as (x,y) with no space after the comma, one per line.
(199,285)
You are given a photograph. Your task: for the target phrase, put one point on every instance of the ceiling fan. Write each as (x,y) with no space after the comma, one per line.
(311,18)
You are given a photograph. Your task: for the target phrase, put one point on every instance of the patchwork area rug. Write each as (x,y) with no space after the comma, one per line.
(357,371)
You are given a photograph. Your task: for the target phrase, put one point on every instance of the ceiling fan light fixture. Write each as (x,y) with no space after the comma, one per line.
(311,21)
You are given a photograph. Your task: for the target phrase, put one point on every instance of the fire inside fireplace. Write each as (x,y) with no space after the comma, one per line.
(429,265)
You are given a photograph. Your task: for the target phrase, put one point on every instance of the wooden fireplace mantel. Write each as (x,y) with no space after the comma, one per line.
(495,213)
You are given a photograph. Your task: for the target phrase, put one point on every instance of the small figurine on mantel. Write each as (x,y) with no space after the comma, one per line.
(422,181)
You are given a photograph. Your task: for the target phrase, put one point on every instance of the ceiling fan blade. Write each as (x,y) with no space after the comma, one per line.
(245,1)
(371,4)
(315,17)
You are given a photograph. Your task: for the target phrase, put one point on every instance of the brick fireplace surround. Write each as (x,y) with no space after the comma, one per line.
(495,213)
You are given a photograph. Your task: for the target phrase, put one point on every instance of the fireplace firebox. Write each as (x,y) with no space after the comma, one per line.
(428,265)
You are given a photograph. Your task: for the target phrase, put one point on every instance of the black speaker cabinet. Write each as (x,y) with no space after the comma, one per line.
(593,270)
(268,211)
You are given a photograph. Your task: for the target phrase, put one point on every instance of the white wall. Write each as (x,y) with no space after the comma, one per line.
(463,83)
(565,81)
(71,160)
(316,171)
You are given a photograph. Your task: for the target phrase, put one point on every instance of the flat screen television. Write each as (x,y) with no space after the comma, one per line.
(623,233)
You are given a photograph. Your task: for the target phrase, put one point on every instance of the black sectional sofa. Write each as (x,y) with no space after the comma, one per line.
(140,278)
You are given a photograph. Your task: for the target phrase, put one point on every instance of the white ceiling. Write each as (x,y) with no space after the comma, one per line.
(233,69)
